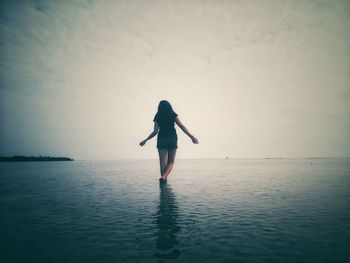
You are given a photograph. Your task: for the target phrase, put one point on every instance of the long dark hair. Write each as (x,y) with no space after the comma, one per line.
(165,109)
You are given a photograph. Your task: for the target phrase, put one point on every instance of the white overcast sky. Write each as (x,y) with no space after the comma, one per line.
(250,79)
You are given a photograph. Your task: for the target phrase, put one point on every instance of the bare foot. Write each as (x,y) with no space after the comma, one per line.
(163,179)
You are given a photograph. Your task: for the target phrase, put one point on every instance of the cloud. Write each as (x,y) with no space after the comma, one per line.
(84,76)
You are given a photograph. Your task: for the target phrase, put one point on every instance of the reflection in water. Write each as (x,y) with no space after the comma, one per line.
(167,224)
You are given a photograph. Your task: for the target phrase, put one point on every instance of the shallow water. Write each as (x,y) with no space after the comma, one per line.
(293,210)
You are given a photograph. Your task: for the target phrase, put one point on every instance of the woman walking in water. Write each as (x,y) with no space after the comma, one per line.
(164,122)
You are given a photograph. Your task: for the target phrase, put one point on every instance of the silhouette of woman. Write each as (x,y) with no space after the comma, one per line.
(164,121)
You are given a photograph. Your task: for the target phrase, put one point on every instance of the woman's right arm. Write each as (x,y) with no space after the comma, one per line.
(184,129)
(153,133)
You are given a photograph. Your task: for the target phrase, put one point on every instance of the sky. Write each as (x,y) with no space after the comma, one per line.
(250,79)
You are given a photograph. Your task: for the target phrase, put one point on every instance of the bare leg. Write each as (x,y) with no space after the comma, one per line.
(170,163)
(163,159)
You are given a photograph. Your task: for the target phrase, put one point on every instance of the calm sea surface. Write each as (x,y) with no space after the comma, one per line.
(209,211)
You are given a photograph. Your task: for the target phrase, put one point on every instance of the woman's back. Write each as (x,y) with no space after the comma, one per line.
(166,123)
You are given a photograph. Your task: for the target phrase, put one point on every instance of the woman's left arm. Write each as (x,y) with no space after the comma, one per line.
(153,133)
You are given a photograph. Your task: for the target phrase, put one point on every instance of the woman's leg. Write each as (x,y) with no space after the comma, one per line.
(170,163)
(163,159)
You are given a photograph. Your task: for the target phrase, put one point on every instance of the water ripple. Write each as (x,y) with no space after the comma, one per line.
(209,211)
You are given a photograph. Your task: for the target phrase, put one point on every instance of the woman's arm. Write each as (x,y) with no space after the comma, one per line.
(184,129)
(153,133)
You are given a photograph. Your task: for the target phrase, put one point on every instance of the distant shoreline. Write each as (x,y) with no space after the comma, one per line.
(19,158)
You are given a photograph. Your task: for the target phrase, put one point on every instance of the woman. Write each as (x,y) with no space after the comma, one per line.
(167,138)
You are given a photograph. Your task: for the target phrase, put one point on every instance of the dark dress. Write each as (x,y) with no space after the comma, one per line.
(167,137)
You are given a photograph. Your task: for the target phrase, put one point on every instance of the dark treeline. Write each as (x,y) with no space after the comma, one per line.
(18,158)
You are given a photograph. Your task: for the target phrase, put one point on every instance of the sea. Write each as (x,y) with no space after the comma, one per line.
(210,210)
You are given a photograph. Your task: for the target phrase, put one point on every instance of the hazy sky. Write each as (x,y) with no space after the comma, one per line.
(248,78)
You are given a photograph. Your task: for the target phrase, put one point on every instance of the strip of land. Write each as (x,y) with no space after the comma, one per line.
(19,158)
